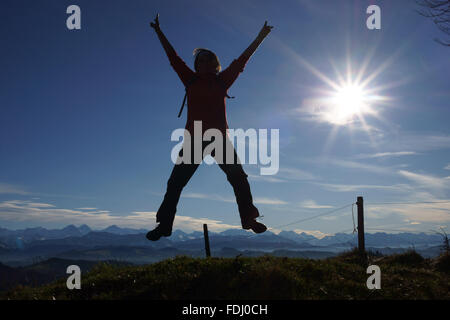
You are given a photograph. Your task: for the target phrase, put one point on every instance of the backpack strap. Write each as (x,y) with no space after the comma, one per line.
(191,81)
(182,105)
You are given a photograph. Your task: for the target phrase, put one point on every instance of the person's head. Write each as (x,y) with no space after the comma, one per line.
(206,61)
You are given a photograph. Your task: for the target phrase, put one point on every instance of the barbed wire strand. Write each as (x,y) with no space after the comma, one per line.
(306,219)
(313,217)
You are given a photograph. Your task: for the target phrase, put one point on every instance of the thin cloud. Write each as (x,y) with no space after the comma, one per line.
(215,197)
(350,165)
(265,178)
(359,187)
(361,166)
(40,205)
(24,211)
(419,213)
(426,180)
(311,204)
(415,142)
(185,223)
(269,201)
(6,188)
(286,174)
(11,189)
(386,154)
(296,174)
(417,207)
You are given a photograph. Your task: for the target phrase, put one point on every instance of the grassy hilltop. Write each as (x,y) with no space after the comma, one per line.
(403,276)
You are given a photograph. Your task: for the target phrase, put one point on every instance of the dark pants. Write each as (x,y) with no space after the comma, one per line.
(182,172)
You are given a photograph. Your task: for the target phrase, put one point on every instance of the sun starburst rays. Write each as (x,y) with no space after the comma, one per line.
(350,100)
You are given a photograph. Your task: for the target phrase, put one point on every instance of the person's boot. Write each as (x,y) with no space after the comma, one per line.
(257,227)
(162,230)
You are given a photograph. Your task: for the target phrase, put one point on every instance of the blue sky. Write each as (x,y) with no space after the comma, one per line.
(86,116)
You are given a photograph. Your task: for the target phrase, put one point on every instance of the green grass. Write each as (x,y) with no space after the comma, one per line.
(403,276)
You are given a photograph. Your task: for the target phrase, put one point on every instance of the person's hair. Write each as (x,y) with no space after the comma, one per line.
(212,55)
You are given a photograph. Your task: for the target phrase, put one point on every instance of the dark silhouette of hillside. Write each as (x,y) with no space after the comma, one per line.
(43,272)
(404,276)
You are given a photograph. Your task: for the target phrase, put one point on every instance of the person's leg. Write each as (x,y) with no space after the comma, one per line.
(180,176)
(237,177)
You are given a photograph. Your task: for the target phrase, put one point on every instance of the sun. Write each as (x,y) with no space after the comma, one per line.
(346,103)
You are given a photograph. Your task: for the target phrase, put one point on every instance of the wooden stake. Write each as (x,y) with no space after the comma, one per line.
(361,244)
(205,233)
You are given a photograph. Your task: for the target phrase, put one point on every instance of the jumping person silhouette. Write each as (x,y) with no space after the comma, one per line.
(206,90)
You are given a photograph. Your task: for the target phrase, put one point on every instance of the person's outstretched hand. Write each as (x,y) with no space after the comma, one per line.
(155,24)
(265,30)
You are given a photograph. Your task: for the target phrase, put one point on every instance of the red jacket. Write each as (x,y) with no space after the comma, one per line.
(206,96)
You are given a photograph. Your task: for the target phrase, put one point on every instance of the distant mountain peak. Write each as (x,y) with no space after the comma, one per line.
(123,231)
(112,227)
(84,229)
(70,227)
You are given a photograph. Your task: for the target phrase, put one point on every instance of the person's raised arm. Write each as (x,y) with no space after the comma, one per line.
(230,74)
(255,44)
(180,67)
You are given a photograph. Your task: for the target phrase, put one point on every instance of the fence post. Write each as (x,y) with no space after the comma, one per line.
(361,244)
(205,234)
